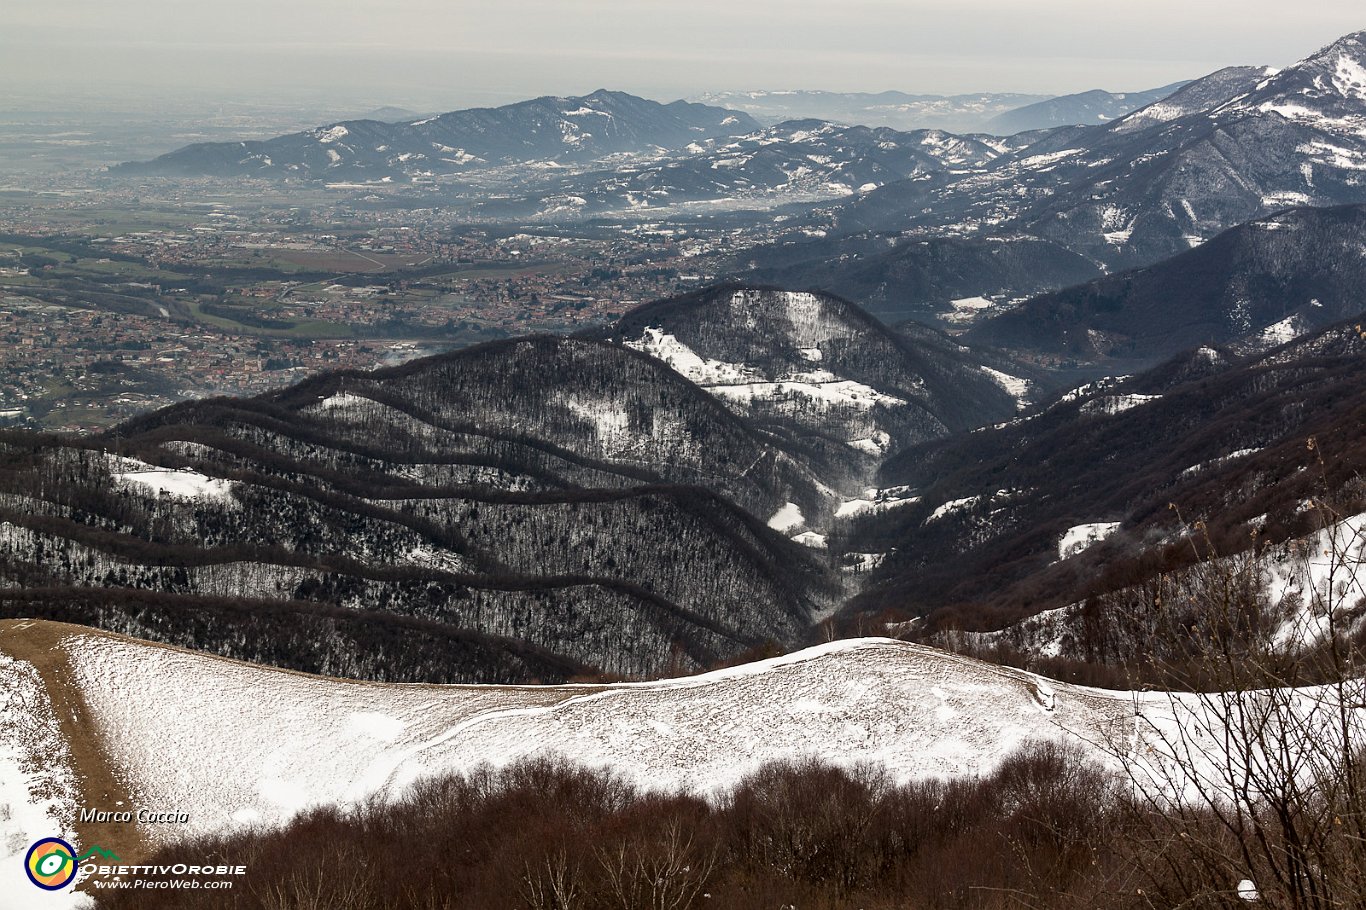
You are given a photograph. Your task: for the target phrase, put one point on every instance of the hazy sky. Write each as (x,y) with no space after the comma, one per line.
(442,54)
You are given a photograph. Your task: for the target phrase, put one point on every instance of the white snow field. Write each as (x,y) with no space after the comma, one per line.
(237,744)
(744,384)
(1079,538)
(185,483)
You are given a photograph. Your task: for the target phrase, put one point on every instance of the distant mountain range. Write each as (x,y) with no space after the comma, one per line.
(578,130)
(995,113)
(1235,146)
(792,161)
(1239,144)
(1095,106)
(895,110)
(555,130)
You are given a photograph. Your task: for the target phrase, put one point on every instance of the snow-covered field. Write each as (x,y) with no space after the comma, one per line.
(876,500)
(744,384)
(1078,538)
(179,483)
(235,744)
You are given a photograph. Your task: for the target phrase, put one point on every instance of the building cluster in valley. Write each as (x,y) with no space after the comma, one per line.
(73,369)
(238,295)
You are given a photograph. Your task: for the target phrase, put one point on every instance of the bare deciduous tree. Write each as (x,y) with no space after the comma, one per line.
(1253,787)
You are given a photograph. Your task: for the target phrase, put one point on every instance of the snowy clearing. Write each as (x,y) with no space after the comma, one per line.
(875,500)
(1017,387)
(788,518)
(1081,537)
(1110,405)
(182,483)
(745,384)
(953,505)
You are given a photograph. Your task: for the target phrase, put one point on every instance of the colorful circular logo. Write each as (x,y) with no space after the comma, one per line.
(51,863)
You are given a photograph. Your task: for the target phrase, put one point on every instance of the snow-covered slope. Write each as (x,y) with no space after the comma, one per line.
(1307,589)
(1240,144)
(548,129)
(295,740)
(235,743)
(817,364)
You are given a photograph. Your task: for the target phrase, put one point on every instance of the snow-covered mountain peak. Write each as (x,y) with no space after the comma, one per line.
(1325,90)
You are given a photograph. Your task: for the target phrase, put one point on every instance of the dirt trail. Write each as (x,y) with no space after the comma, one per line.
(98,785)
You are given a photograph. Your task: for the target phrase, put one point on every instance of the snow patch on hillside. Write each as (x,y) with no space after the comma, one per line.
(1283,332)
(683,359)
(1216,462)
(875,500)
(819,389)
(856,563)
(953,505)
(608,422)
(341,400)
(1350,78)
(1301,581)
(744,384)
(1017,387)
(1040,162)
(876,444)
(1081,537)
(1116,404)
(182,483)
(1317,580)
(788,518)
(967,309)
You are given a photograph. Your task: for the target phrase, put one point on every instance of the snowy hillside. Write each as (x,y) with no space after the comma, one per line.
(1240,144)
(296,740)
(244,745)
(817,364)
(543,129)
(1306,589)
